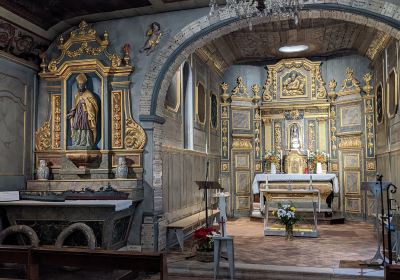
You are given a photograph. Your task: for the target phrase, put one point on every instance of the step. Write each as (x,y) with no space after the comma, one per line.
(245,271)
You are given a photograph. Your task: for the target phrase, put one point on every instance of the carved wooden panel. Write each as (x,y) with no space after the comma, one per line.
(353,205)
(243,182)
(350,115)
(241,119)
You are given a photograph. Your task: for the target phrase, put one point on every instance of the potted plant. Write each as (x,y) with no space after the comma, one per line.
(286,215)
(273,158)
(203,238)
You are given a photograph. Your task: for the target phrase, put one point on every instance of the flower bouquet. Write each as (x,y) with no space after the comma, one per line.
(203,238)
(286,215)
(317,159)
(273,158)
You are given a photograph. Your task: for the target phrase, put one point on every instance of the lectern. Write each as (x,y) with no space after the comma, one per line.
(208,185)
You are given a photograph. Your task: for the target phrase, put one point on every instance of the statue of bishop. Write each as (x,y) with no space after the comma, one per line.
(83,116)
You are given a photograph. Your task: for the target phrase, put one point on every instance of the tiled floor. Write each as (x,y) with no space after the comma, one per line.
(349,241)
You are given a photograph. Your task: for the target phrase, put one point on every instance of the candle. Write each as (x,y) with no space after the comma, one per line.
(308,154)
(281,162)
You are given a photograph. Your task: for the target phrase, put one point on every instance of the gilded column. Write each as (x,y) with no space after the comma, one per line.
(225,128)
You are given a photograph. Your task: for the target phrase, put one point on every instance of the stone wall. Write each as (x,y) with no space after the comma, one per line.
(17,98)
(387,132)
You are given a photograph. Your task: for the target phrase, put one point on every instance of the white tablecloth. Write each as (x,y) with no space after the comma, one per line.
(294,178)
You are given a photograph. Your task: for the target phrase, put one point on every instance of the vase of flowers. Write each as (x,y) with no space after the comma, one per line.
(273,158)
(317,159)
(286,215)
(203,238)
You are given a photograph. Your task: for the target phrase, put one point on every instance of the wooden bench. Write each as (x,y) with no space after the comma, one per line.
(186,226)
(33,258)
(392,272)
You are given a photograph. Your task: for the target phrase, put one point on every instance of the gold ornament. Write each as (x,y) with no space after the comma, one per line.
(135,137)
(43,137)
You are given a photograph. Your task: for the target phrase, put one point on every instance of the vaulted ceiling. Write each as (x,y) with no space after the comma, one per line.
(325,37)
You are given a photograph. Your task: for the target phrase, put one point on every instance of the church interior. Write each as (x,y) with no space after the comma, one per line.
(138,138)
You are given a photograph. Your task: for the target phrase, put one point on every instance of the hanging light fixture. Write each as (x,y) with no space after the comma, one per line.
(256,8)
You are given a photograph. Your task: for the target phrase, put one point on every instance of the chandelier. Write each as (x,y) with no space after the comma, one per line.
(257,8)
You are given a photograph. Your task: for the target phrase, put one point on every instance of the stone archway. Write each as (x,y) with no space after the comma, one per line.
(204,30)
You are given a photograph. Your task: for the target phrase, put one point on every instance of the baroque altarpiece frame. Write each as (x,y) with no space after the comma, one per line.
(83,52)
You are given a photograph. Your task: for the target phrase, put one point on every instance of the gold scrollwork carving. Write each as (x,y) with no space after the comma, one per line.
(224,95)
(350,85)
(240,89)
(311,136)
(278,136)
(378,44)
(225,166)
(135,137)
(224,140)
(334,167)
(266,94)
(350,142)
(85,37)
(368,87)
(56,121)
(116,121)
(257,140)
(242,143)
(43,137)
(332,89)
(295,73)
(256,90)
(370,135)
(371,165)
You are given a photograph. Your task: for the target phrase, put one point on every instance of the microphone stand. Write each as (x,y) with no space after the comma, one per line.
(379,179)
(389,215)
(205,193)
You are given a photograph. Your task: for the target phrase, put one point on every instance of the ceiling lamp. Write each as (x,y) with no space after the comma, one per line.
(293,48)
(256,8)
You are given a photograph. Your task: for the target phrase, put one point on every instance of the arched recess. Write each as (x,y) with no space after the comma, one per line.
(202,31)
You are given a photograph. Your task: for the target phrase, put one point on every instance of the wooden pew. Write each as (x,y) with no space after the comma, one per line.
(33,258)
(392,272)
(186,226)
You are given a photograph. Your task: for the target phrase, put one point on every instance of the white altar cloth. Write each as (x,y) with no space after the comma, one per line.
(294,178)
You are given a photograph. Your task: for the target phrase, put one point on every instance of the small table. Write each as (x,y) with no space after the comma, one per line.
(218,241)
(311,195)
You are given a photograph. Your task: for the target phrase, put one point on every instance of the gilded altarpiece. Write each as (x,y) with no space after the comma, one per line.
(85,58)
(352,130)
(295,114)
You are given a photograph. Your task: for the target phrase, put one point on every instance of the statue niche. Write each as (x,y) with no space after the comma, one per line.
(294,137)
(294,84)
(83,116)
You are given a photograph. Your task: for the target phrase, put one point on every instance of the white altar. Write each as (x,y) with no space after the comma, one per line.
(289,178)
(324,183)
(311,189)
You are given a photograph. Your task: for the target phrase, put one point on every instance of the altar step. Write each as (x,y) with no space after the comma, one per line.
(197,270)
(324,217)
